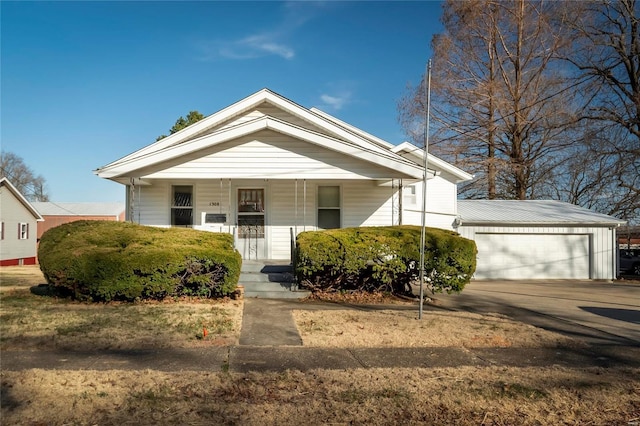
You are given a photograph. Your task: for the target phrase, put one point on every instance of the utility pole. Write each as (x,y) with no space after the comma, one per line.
(424,183)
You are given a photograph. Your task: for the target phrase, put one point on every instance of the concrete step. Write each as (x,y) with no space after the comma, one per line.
(271,290)
(280,277)
(266,266)
(300,294)
(269,280)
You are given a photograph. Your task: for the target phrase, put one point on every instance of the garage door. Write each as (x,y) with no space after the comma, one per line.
(532,256)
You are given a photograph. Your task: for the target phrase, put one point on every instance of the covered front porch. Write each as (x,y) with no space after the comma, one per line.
(265,215)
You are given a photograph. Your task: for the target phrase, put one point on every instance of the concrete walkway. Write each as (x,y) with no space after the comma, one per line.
(269,341)
(268,322)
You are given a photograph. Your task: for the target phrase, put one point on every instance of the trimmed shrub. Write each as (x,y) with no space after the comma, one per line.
(106,260)
(383,259)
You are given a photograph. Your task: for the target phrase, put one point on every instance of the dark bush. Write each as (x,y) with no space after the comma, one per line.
(383,259)
(104,261)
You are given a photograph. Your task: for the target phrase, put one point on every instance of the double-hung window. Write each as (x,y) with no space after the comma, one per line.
(23,231)
(182,205)
(329,212)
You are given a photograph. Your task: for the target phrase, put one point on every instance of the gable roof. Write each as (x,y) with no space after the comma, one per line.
(79,209)
(530,212)
(334,135)
(4,182)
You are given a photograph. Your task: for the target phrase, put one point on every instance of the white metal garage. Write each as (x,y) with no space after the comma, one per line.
(535,256)
(539,240)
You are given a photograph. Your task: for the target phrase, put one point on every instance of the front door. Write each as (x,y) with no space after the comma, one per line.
(251,223)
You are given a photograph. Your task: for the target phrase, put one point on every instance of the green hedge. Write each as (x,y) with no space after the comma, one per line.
(106,260)
(383,259)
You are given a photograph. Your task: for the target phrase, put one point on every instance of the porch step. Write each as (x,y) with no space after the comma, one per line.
(269,280)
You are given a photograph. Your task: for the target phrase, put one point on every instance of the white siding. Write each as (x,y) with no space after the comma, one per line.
(266,109)
(441,196)
(267,154)
(434,220)
(151,204)
(13,212)
(601,253)
(285,214)
(441,204)
(366,204)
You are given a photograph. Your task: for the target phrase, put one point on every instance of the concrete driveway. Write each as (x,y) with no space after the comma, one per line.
(598,312)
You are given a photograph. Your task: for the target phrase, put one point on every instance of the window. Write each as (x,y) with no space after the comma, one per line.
(2,231)
(250,213)
(182,206)
(23,231)
(328,207)
(409,195)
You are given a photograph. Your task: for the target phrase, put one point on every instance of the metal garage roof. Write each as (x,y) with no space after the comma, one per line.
(534,212)
(78,209)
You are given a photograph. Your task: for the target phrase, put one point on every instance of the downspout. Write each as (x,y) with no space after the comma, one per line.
(400,196)
(139,202)
(393,202)
(132,196)
(616,252)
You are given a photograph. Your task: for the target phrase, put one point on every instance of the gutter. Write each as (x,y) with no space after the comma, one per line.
(463,222)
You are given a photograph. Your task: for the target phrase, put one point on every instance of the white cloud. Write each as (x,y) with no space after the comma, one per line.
(335,102)
(255,46)
(274,41)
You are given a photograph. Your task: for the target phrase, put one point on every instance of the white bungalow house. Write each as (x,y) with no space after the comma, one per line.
(18,228)
(266,168)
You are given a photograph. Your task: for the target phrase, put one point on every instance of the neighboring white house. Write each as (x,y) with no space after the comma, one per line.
(266,168)
(18,229)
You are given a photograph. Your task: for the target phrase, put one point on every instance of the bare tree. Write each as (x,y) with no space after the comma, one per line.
(606,55)
(31,186)
(501,103)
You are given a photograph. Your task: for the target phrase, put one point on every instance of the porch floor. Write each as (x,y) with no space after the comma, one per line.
(269,279)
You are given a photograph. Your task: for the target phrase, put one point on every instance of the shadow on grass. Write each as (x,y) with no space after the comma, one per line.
(43,290)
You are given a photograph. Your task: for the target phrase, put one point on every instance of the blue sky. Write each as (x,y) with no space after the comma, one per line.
(85,83)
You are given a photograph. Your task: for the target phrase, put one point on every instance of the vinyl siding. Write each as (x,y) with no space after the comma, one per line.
(267,154)
(151,204)
(441,204)
(266,109)
(13,212)
(363,203)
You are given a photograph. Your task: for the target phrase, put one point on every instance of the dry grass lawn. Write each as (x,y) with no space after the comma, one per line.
(449,396)
(32,322)
(455,396)
(393,328)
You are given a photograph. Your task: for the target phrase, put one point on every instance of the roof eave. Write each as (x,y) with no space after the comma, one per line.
(540,224)
(116,172)
(4,181)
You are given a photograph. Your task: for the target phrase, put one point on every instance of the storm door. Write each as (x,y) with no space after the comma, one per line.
(251,223)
